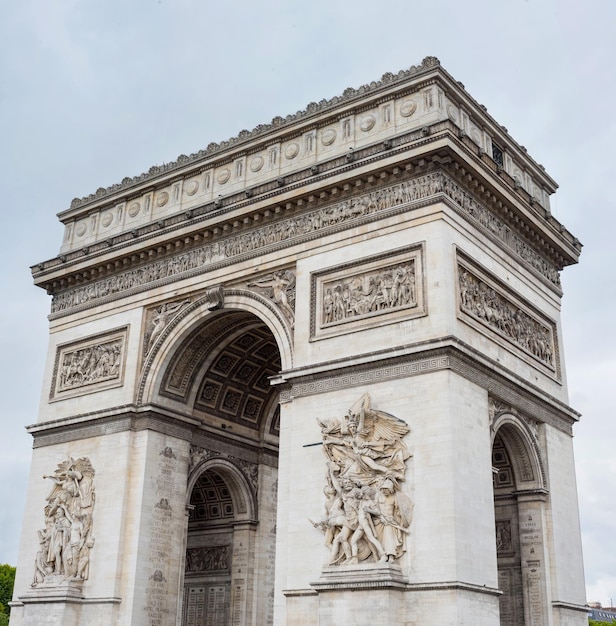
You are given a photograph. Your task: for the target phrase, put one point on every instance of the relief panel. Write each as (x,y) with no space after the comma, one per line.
(487,304)
(89,365)
(378,290)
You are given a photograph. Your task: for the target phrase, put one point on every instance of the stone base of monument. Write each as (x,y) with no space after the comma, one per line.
(355,577)
(381,599)
(61,602)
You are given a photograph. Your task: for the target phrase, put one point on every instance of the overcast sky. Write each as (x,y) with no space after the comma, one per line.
(91,92)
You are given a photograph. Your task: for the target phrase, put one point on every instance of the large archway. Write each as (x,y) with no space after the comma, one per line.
(218,373)
(519,504)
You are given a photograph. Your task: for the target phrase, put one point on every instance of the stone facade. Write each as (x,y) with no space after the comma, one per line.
(313,376)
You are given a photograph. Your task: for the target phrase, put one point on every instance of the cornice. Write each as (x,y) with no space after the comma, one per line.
(446,353)
(147,417)
(444,154)
(349,96)
(317,114)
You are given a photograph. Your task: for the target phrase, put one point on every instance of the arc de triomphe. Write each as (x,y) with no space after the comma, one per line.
(311,376)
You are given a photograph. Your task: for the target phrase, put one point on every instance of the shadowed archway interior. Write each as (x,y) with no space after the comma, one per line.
(222,371)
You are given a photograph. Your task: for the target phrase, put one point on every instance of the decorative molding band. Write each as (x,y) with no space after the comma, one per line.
(32,599)
(90,364)
(355,211)
(97,426)
(454,355)
(568,606)
(396,583)
(371,292)
(359,376)
(454,586)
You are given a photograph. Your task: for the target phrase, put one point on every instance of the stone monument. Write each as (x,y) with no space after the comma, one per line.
(311,376)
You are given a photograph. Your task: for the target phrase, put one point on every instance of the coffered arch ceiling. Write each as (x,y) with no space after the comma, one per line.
(222,372)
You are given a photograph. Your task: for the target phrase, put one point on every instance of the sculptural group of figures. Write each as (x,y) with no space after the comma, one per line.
(377,291)
(66,540)
(91,364)
(367,516)
(483,302)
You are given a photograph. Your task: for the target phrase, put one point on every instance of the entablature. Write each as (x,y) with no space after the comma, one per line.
(398,110)
(342,179)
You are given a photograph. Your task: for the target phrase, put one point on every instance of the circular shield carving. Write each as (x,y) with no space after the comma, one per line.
(81,229)
(256,164)
(162,198)
(192,187)
(292,150)
(452,113)
(328,137)
(223,176)
(367,123)
(133,209)
(107,219)
(408,108)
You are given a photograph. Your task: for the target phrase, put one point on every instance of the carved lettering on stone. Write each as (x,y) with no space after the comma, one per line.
(367,516)
(89,365)
(66,540)
(483,302)
(280,288)
(304,227)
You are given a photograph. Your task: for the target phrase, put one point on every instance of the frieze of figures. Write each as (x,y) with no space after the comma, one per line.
(66,540)
(367,515)
(96,362)
(207,559)
(484,303)
(381,290)
(299,228)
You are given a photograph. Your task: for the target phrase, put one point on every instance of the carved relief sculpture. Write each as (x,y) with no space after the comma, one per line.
(157,320)
(307,226)
(372,292)
(482,302)
(367,516)
(91,364)
(66,540)
(279,287)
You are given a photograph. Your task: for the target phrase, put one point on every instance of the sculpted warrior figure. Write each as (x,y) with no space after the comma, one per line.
(367,516)
(66,540)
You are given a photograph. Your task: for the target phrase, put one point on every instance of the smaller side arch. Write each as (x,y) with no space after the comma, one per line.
(524,449)
(244,499)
